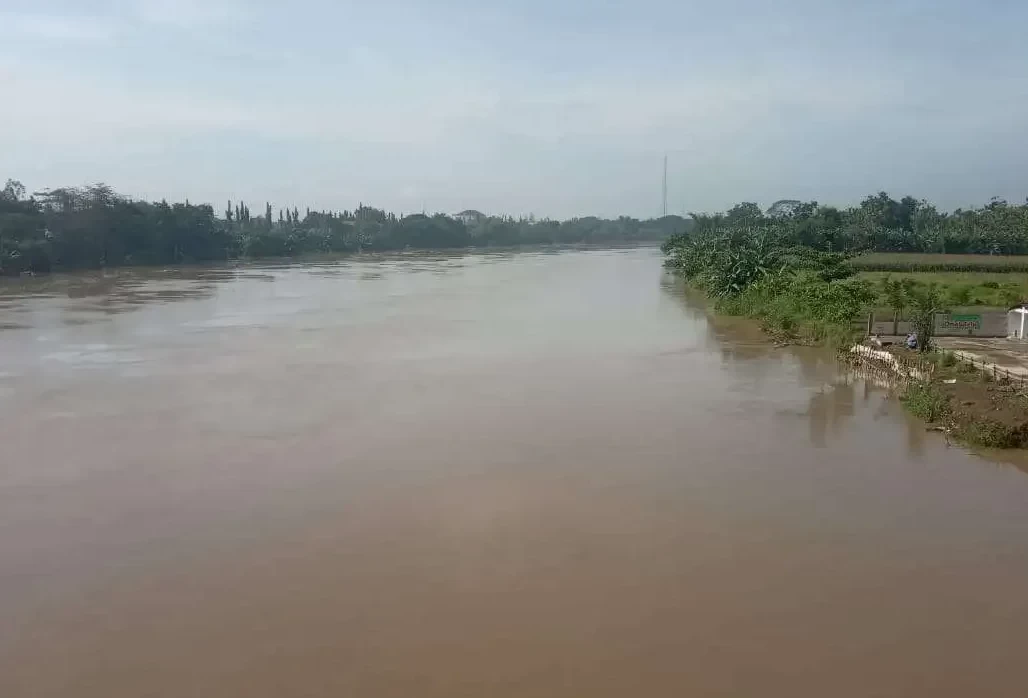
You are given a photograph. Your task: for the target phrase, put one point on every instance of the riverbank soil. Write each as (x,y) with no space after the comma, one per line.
(973,405)
(988,413)
(1008,355)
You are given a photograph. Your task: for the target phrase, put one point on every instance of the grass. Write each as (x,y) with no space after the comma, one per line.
(989,434)
(976,410)
(916,262)
(966,289)
(924,400)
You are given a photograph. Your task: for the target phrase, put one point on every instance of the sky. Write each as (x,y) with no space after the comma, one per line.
(556,108)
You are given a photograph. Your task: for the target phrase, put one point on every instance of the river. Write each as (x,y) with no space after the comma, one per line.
(535,474)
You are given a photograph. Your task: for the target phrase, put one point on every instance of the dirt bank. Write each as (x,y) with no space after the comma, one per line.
(959,397)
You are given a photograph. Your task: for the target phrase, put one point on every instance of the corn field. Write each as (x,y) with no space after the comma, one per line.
(909,262)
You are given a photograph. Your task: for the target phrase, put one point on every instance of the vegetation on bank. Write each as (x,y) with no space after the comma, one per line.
(882,224)
(797,276)
(803,270)
(974,407)
(797,293)
(94,227)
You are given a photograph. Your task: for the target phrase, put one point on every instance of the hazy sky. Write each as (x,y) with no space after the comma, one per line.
(555,107)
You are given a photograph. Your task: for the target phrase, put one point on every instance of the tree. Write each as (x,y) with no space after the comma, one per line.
(228,212)
(13,191)
(897,293)
(906,212)
(926,301)
(746,213)
(880,210)
(783,208)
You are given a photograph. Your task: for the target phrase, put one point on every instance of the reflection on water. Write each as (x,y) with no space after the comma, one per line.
(504,474)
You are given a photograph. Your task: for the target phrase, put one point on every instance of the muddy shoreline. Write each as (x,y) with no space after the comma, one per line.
(974,406)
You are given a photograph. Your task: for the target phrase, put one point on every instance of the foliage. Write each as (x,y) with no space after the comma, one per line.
(96,227)
(796,292)
(791,266)
(925,302)
(896,294)
(964,289)
(827,266)
(925,263)
(989,433)
(926,401)
(884,225)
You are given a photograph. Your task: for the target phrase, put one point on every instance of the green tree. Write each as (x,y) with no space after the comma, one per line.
(925,302)
(746,213)
(897,294)
(13,191)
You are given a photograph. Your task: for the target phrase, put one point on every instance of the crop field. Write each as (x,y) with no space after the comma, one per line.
(918,262)
(964,289)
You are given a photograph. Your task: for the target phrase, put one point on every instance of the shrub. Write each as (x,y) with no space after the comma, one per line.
(991,434)
(959,295)
(924,400)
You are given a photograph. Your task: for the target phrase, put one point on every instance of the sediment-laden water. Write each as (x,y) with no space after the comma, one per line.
(519,474)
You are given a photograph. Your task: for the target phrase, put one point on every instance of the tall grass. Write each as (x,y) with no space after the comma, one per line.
(802,307)
(926,401)
(962,289)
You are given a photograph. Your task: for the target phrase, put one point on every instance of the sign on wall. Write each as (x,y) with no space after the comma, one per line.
(984,323)
(967,323)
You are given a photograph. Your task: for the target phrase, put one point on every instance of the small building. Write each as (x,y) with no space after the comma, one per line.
(469,217)
(1016,322)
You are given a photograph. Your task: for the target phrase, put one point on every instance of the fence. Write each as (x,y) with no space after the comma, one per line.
(991,371)
(901,367)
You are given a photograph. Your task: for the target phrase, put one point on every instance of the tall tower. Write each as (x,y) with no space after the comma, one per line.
(665,186)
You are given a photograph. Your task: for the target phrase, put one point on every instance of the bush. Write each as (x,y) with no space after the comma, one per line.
(987,433)
(959,295)
(924,400)
(925,303)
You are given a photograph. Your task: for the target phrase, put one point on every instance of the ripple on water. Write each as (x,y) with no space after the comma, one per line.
(98,355)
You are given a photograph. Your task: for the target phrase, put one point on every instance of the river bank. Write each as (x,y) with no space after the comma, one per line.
(975,404)
(798,294)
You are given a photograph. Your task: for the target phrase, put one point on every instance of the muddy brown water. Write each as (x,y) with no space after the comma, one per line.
(519,474)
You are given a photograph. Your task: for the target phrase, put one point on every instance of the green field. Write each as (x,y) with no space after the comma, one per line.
(915,262)
(963,289)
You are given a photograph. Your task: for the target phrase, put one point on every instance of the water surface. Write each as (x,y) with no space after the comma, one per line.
(519,474)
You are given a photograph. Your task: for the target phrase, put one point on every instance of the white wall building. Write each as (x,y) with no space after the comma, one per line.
(1016,322)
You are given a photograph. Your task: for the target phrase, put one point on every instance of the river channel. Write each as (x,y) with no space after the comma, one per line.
(542,474)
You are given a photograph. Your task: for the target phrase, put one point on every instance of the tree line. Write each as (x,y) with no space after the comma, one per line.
(94,226)
(789,266)
(882,224)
